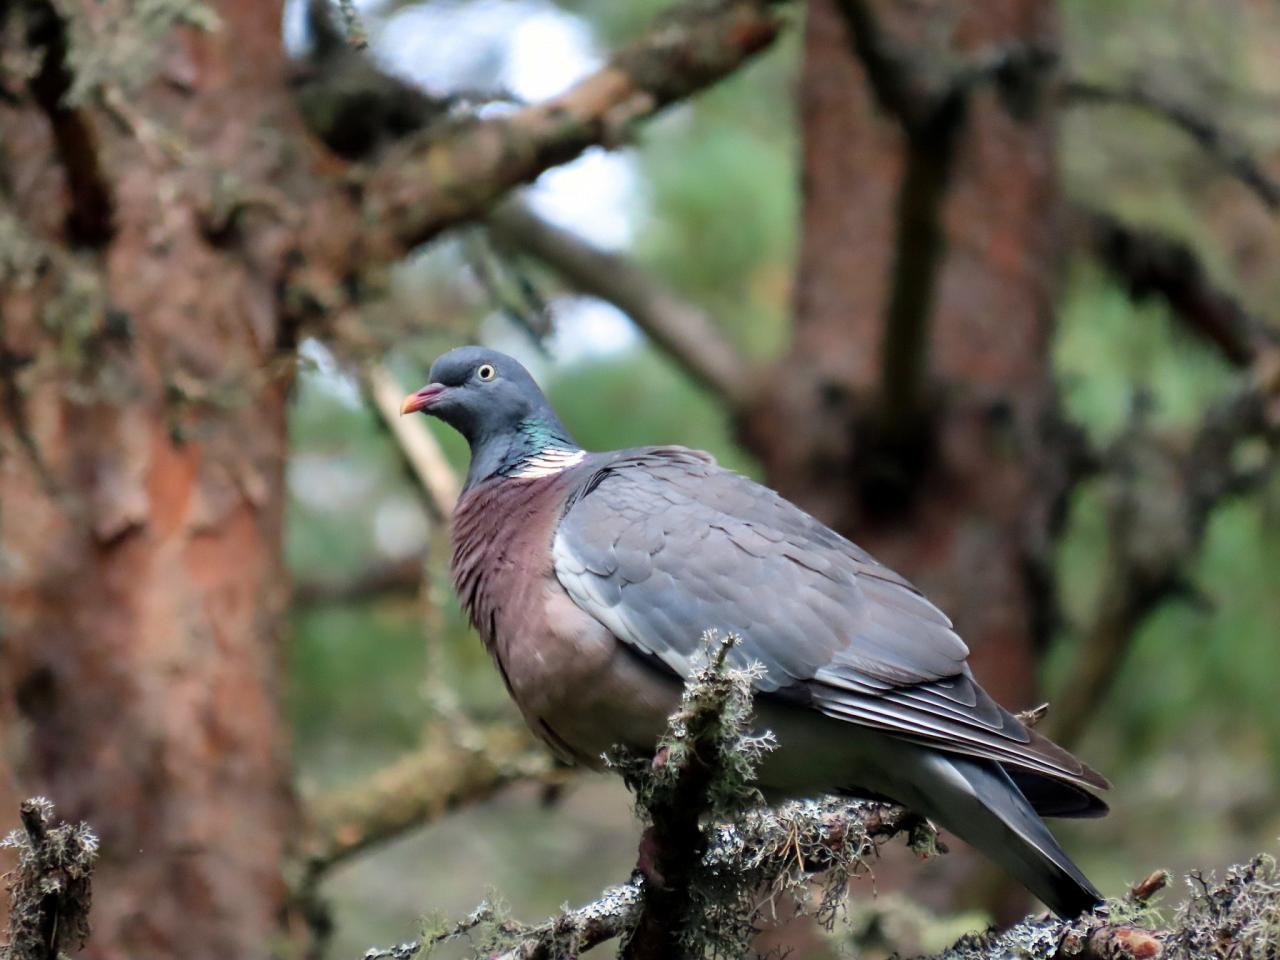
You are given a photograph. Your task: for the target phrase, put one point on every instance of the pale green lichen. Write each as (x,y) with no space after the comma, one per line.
(1237,917)
(22,257)
(121,52)
(714,719)
(49,891)
(757,858)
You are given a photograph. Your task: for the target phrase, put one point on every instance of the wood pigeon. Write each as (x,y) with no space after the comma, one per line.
(592,577)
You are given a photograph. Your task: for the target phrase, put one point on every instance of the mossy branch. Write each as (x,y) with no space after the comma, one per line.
(49,892)
(715,859)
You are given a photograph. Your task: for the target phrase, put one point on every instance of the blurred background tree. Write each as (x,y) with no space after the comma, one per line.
(979,284)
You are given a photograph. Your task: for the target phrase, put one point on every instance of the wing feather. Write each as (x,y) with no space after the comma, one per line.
(661,544)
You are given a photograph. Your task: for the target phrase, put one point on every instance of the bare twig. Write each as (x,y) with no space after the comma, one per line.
(1150,264)
(356,35)
(401,578)
(1160,504)
(1220,145)
(527,310)
(419,447)
(683,330)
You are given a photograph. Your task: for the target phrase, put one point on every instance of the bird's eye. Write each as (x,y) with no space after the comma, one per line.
(486,372)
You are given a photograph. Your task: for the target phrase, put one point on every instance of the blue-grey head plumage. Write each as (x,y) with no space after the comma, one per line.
(497,406)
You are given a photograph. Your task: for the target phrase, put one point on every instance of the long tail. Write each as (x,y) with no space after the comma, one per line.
(978,802)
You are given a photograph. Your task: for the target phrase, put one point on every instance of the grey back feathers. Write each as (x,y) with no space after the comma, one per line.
(666,544)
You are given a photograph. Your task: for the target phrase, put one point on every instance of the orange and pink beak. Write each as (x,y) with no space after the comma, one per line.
(423,399)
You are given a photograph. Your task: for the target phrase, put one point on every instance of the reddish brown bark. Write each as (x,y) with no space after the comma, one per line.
(959,509)
(143,447)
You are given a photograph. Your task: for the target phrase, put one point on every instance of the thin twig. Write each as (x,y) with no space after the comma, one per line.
(1160,504)
(683,330)
(418,446)
(1213,139)
(1150,263)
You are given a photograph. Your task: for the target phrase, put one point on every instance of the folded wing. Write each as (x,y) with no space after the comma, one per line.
(660,544)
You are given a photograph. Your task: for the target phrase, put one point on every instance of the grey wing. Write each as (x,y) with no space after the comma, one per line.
(661,544)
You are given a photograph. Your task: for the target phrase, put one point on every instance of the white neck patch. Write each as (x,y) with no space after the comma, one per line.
(549,463)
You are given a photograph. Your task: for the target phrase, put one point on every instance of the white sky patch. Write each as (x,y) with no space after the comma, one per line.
(591,196)
(444,46)
(533,50)
(548,52)
(587,327)
(321,369)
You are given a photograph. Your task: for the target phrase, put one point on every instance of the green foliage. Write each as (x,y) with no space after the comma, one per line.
(358,680)
(1190,659)
(1108,349)
(640,398)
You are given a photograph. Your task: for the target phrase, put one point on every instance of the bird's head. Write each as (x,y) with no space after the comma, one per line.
(491,400)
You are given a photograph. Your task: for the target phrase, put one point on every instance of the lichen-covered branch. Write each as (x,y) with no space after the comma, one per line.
(704,765)
(752,859)
(1236,917)
(687,334)
(714,860)
(49,891)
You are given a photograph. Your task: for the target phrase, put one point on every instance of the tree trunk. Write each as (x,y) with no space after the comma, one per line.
(963,507)
(141,477)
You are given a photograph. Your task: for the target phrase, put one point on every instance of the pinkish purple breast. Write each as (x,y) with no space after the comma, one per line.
(502,534)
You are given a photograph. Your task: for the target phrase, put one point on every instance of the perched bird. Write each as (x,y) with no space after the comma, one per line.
(591,578)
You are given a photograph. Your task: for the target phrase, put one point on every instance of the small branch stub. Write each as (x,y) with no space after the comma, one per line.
(49,894)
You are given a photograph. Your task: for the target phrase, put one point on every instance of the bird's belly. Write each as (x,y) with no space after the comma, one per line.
(583,691)
(578,688)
